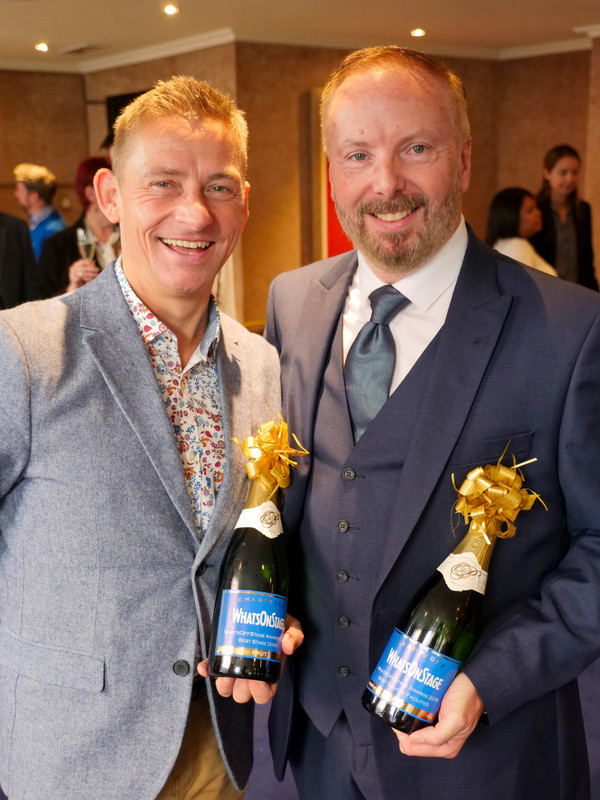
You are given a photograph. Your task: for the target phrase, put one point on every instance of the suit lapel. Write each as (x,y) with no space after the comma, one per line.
(466,345)
(116,345)
(317,325)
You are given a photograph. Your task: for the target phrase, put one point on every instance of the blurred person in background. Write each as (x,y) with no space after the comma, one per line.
(565,240)
(68,262)
(514,217)
(35,187)
(17,263)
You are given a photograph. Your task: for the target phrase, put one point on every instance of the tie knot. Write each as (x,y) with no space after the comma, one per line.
(386,302)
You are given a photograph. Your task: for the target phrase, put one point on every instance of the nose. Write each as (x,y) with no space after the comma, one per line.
(389,177)
(196,211)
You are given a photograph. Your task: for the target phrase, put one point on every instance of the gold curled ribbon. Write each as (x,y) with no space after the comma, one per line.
(492,496)
(269,452)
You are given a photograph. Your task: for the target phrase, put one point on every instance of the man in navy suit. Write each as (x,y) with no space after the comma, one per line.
(487,351)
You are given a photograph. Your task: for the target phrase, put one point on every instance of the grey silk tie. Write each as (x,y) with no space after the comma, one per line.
(370,361)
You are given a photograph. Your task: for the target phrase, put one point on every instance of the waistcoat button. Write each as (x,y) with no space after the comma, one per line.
(342,575)
(349,474)
(343,621)
(343,672)
(343,526)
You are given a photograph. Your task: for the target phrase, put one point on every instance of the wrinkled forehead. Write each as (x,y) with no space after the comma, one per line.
(155,132)
(406,84)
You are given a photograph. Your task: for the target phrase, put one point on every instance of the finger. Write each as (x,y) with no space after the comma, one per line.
(224,686)
(203,669)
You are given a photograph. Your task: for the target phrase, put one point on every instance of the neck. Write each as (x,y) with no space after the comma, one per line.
(99,225)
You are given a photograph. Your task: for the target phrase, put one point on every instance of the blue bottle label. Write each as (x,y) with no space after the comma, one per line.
(251,624)
(412,677)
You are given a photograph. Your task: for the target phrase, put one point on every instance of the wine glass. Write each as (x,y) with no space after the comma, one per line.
(85,244)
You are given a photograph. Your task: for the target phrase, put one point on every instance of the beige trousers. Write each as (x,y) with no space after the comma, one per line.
(199,772)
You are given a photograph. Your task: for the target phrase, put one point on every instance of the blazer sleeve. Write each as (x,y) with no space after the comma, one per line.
(15,407)
(546,640)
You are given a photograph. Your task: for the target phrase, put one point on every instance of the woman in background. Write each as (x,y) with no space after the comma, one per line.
(565,240)
(62,266)
(514,217)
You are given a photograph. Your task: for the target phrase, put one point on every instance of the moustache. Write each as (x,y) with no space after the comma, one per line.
(397,204)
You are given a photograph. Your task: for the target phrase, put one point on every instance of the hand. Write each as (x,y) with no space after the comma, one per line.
(458,715)
(80,272)
(243,690)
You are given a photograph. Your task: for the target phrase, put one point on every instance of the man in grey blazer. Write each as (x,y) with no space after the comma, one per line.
(119,484)
(487,351)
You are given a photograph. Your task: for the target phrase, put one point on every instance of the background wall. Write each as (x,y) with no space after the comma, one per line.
(518,109)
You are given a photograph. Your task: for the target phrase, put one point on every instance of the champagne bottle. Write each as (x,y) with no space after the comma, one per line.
(431,642)
(437,634)
(250,610)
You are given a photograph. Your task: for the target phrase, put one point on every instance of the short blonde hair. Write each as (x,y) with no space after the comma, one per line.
(392,58)
(36,179)
(181,96)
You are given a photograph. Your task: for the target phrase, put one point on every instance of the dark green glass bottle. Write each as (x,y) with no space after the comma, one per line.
(432,640)
(251,602)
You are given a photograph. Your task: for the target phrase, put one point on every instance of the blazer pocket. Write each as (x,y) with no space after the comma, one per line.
(49,664)
(488,451)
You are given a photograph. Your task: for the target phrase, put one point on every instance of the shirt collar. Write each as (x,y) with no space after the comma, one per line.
(46,212)
(151,328)
(425,285)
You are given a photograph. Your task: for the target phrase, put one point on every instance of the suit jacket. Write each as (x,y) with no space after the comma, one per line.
(17,262)
(106,592)
(545,241)
(517,359)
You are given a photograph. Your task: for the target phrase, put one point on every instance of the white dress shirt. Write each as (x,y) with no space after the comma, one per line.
(429,290)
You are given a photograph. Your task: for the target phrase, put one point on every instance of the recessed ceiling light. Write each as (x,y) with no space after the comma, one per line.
(42,47)
(171,10)
(418,32)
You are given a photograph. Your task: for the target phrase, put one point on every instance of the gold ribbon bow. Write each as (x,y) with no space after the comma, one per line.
(492,496)
(270,451)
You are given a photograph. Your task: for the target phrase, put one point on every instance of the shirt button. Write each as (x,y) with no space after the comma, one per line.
(343,621)
(349,474)
(342,575)
(343,672)
(181,668)
(343,526)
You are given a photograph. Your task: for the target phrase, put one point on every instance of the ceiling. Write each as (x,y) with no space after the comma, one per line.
(100,34)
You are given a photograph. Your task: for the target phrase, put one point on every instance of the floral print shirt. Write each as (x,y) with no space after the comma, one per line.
(191,395)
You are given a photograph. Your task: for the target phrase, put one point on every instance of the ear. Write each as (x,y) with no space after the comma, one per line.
(108,195)
(465,166)
(246,206)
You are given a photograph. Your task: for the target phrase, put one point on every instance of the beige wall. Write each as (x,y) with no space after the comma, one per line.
(43,121)
(518,110)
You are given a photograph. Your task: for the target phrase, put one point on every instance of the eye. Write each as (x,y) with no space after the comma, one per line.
(418,149)
(358,156)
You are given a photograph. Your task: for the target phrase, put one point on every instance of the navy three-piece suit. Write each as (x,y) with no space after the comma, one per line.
(517,359)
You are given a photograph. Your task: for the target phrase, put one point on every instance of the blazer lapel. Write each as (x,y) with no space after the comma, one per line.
(466,345)
(116,345)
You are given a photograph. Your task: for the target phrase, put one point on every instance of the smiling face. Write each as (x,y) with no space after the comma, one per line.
(397,167)
(563,178)
(181,201)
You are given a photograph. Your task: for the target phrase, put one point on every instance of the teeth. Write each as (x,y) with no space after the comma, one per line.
(183,243)
(394,217)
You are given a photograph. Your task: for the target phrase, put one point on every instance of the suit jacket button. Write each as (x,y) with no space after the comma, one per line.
(181,668)
(343,526)
(343,672)
(343,621)
(349,474)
